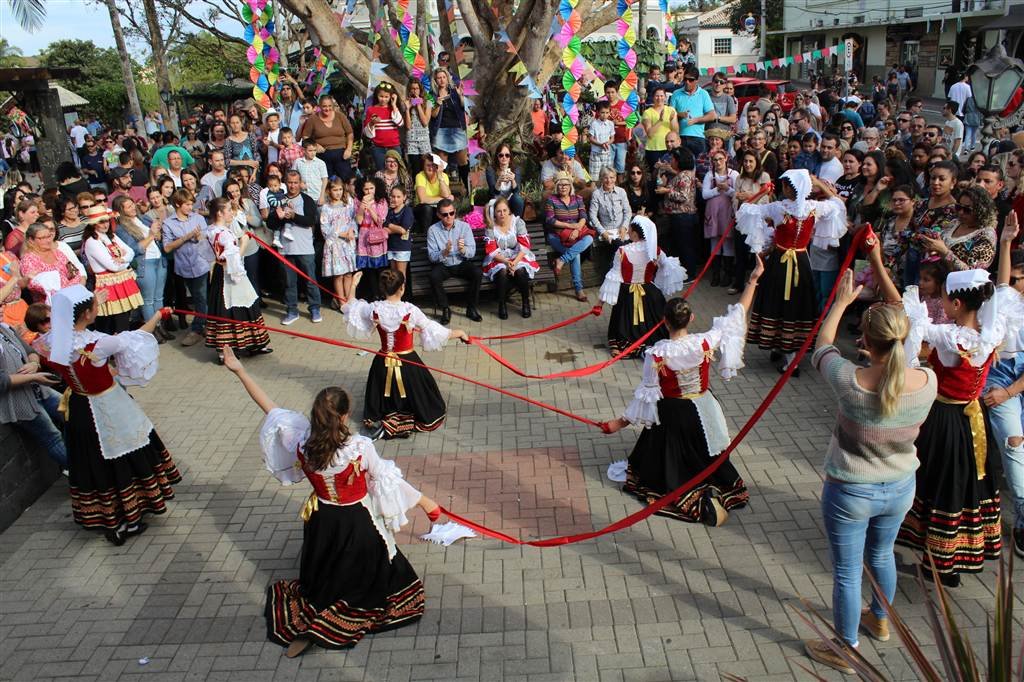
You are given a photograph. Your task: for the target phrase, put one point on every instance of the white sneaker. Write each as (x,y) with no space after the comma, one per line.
(277,242)
(287,234)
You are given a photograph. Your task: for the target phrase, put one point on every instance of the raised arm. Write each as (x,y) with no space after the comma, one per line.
(845,295)
(254,390)
(1006,239)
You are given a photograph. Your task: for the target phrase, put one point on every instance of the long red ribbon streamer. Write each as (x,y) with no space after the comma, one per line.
(596,310)
(627,352)
(343,344)
(696,480)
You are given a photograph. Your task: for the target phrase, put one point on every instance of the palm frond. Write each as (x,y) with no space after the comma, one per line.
(30,14)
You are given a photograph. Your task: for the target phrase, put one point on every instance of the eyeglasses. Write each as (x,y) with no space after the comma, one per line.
(902,200)
(82,207)
(447,214)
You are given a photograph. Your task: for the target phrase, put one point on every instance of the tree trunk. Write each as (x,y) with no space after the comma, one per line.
(163,78)
(126,66)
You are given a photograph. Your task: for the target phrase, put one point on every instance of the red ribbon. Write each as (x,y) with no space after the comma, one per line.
(343,344)
(700,477)
(595,368)
(291,266)
(595,311)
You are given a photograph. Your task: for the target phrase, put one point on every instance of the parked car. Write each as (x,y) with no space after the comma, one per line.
(747,89)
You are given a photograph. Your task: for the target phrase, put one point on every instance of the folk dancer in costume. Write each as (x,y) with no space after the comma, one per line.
(118,468)
(230,294)
(110,260)
(1005,386)
(683,425)
(955,514)
(353,580)
(786,306)
(400,398)
(640,278)
(507,255)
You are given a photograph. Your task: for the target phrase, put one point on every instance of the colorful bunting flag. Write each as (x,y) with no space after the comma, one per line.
(781,61)
(571,48)
(627,64)
(262,53)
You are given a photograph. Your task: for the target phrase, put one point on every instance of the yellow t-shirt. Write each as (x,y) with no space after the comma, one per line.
(661,126)
(431,189)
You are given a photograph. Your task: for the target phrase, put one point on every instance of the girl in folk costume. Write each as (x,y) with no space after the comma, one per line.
(118,468)
(636,285)
(785,308)
(955,513)
(400,397)
(683,424)
(353,580)
(507,255)
(110,260)
(230,294)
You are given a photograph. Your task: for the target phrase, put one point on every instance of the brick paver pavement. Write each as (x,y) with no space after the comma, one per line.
(663,600)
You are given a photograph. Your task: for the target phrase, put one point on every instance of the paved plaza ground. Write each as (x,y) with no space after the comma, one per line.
(663,600)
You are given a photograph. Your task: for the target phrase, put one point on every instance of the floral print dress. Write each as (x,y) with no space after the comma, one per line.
(339,252)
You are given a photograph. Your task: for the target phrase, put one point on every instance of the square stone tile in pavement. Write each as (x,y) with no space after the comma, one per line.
(662,600)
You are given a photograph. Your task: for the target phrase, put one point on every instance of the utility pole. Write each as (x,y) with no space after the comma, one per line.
(764,32)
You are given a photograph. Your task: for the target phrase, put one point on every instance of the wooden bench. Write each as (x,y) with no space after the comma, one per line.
(420,265)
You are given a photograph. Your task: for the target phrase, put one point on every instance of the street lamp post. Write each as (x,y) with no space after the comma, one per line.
(996,82)
(166,96)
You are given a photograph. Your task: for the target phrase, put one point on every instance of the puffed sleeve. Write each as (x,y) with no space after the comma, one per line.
(390,492)
(358,318)
(829,222)
(1011,308)
(135,353)
(643,411)
(232,256)
(433,336)
(670,276)
(921,326)
(282,433)
(609,292)
(751,222)
(997,314)
(729,333)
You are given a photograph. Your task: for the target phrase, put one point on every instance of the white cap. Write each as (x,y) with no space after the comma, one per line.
(962,280)
(62,321)
(853,99)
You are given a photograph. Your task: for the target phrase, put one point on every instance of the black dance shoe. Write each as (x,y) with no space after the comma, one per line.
(446,316)
(474,314)
(502,311)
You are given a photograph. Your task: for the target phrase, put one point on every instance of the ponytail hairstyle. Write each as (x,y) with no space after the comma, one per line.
(216,205)
(678,314)
(327,429)
(885,329)
(391,281)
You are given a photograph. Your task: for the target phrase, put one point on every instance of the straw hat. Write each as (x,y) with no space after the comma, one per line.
(562,177)
(97,213)
(721,133)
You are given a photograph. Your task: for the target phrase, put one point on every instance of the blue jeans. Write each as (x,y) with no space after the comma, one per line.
(912,269)
(862,519)
(197,289)
(1006,424)
(151,274)
(824,280)
(696,145)
(570,255)
(46,429)
(619,156)
(337,165)
(291,282)
(379,153)
(970,136)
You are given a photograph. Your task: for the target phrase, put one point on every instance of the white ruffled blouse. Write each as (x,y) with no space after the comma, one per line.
(685,356)
(1001,317)
(829,221)
(359,317)
(283,432)
(669,278)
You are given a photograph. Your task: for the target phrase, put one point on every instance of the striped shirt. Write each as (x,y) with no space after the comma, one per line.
(867,447)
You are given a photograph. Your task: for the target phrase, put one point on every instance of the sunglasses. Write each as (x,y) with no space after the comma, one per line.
(903,120)
(504,155)
(964,209)
(690,79)
(636,172)
(718,82)
(447,214)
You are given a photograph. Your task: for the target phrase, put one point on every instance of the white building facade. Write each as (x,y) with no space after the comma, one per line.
(936,40)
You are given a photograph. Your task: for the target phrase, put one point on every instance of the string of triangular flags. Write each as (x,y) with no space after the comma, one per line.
(320,72)
(753,67)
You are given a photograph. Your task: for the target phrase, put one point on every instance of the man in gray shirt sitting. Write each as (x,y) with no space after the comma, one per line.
(451,247)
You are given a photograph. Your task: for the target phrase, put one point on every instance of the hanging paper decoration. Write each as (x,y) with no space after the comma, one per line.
(627,65)
(670,34)
(569,40)
(838,49)
(319,73)
(262,54)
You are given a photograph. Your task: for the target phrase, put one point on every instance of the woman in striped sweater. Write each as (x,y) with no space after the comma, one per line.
(870,463)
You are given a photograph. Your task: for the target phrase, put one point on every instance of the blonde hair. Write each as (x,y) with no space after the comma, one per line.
(885,329)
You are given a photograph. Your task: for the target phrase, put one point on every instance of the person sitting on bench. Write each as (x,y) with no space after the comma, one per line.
(451,247)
